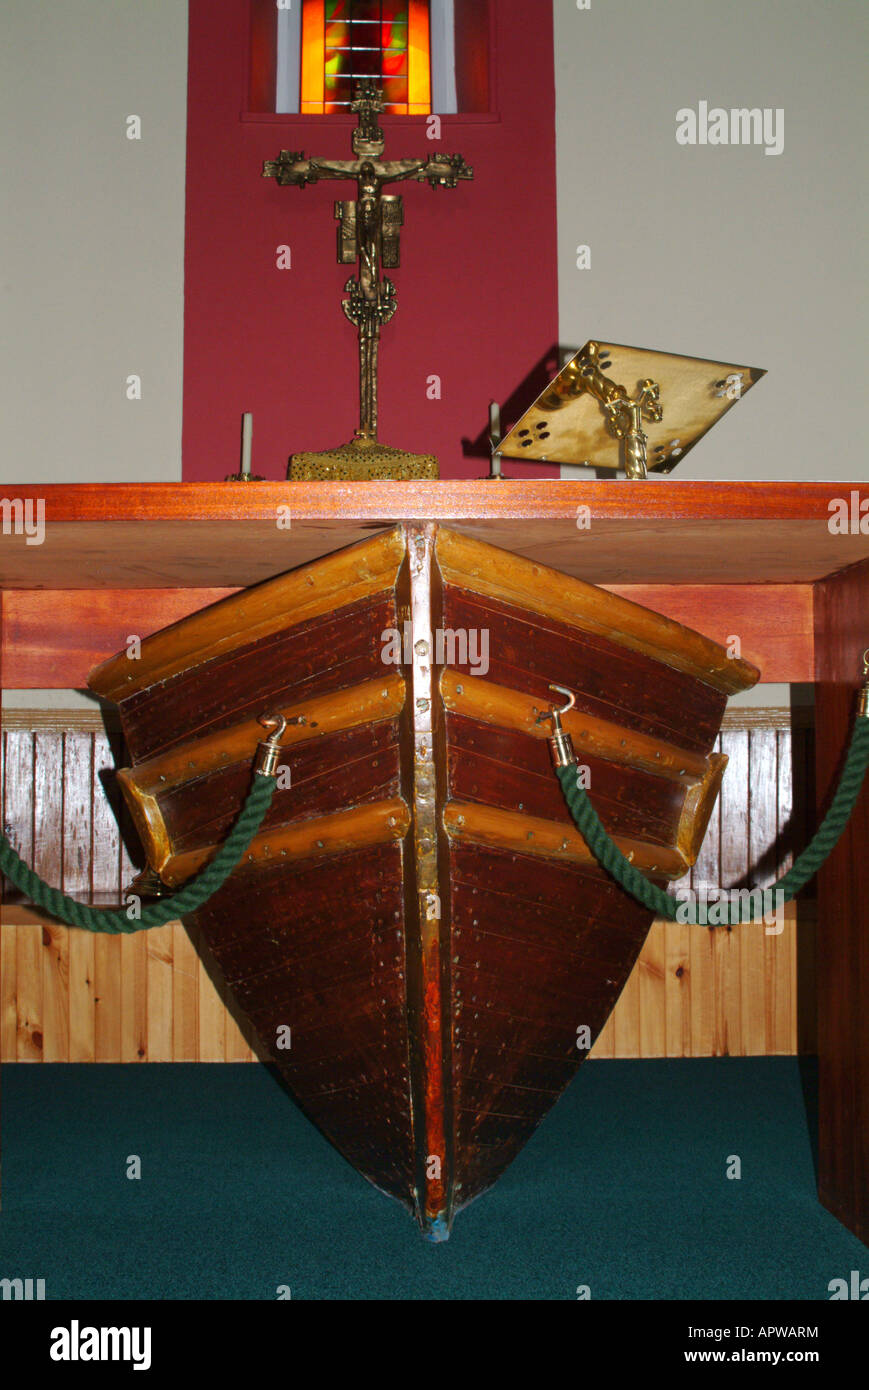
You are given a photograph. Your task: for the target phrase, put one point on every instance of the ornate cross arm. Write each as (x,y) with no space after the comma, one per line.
(444,170)
(440,170)
(290,167)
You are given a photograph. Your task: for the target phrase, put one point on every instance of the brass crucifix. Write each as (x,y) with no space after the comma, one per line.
(368,233)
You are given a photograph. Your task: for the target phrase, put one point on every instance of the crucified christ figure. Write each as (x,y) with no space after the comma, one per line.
(369,228)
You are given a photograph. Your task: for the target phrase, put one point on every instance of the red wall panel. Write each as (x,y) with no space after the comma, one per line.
(477,291)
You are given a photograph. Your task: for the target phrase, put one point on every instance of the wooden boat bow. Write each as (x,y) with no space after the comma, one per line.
(418,909)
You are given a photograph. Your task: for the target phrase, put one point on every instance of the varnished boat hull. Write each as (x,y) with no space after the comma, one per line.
(418,935)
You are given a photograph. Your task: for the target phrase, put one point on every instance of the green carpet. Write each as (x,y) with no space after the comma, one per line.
(623,1188)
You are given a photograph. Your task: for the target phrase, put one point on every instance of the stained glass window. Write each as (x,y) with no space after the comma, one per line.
(345,41)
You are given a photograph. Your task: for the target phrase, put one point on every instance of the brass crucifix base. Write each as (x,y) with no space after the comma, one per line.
(362,460)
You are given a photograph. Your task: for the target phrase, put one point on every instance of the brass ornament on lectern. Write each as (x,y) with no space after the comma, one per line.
(368,236)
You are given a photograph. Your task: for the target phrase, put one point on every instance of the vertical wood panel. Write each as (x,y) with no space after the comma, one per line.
(106,878)
(28,976)
(160,957)
(626,1018)
(76,879)
(238,1048)
(702,944)
(805,973)
(790,748)
(212,1011)
(758,949)
(606,1043)
(651,980)
(46,799)
(76,771)
(50,782)
(185,996)
(18,826)
(780,1034)
(55,993)
(134,997)
(127,870)
(799,794)
(678,984)
(733,867)
(18,794)
(8,993)
(82,1022)
(782,955)
(18,818)
(107,999)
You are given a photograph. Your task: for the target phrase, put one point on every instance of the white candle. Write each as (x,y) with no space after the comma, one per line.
(495,438)
(246,442)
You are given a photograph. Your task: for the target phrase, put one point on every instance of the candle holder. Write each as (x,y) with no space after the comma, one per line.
(245,475)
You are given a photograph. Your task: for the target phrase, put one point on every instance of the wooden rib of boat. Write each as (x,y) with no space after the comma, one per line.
(418,909)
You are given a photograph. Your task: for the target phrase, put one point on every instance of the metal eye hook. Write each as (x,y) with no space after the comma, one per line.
(571,698)
(560,745)
(557,710)
(269,750)
(275,721)
(863,703)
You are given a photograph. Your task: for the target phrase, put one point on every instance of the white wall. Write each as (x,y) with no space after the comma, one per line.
(723,251)
(92,243)
(718,251)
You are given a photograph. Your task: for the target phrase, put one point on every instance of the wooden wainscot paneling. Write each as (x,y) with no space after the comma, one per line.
(158,997)
(712,991)
(70,996)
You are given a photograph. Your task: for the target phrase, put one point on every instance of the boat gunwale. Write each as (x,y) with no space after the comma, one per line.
(316,837)
(273,606)
(375,702)
(480,823)
(504,707)
(516,582)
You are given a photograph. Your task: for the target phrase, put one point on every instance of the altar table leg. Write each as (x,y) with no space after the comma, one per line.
(841,636)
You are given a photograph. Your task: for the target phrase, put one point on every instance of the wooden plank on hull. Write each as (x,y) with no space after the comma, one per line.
(484,569)
(321,588)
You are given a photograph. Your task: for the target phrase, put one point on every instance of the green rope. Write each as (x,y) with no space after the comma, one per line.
(610,857)
(191,896)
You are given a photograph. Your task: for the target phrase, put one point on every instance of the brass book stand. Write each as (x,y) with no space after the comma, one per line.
(645,416)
